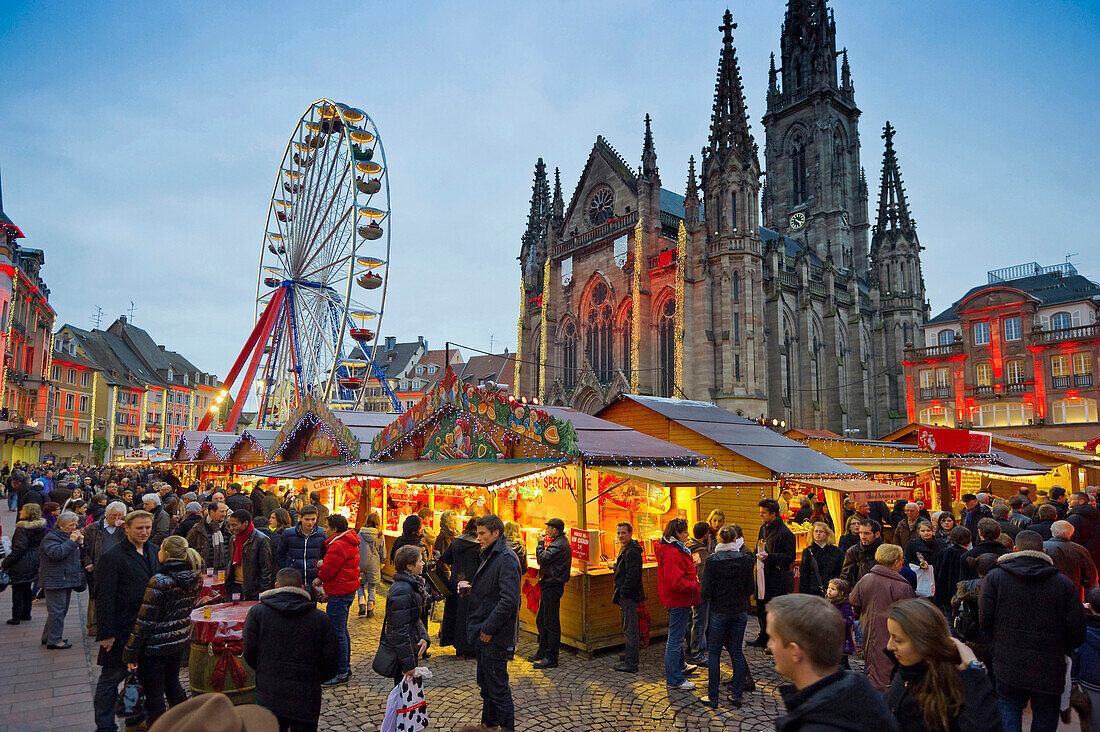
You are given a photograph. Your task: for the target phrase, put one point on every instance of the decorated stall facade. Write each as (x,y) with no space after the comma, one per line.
(735,444)
(528,464)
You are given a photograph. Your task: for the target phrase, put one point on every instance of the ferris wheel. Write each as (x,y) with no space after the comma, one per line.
(323,272)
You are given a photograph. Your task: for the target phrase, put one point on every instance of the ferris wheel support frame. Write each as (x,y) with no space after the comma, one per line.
(254,345)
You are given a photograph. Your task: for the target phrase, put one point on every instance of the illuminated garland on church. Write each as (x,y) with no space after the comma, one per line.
(681,257)
(519,334)
(636,306)
(542,359)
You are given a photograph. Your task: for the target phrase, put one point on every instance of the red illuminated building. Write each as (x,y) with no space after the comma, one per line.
(1017,352)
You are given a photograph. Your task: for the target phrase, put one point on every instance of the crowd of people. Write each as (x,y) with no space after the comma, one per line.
(961,621)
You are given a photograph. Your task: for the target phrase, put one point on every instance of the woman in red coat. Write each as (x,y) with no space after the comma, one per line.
(678,591)
(338,574)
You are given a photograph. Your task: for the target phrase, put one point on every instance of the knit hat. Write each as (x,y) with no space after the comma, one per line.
(215,713)
(192,507)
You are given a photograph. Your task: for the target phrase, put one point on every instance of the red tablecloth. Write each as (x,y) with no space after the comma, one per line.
(212,590)
(226,622)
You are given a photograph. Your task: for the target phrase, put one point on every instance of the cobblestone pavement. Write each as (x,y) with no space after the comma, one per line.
(581,694)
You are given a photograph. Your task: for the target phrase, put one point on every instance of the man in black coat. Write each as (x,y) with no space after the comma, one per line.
(777,554)
(1001,516)
(1086,523)
(236,500)
(555,557)
(989,532)
(293,648)
(860,558)
(120,578)
(251,566)
(628,593)
(1059,501)
(1045,516)
(1070,558)
(1029,657)
(806,640)
(34,494)
(973,512)
(491,620)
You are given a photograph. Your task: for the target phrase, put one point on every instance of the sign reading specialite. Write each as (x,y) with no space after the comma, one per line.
(585,543)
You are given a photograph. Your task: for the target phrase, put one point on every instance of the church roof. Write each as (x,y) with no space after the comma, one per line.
(672,203)
(1050,288)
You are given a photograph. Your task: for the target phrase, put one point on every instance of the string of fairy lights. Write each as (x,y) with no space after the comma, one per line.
(678,341)
(636,307)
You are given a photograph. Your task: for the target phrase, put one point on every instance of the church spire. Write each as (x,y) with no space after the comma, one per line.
(691,195)
(846,73)
(559,204)
(893,212)
(729,125)
(534,248)
(649,153)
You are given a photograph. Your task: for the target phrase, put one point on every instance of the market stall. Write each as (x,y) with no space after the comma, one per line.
(528,464)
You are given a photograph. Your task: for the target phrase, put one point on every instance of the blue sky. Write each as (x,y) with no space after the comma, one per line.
(139,141)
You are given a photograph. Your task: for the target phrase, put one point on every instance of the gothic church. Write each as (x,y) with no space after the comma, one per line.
(802,317)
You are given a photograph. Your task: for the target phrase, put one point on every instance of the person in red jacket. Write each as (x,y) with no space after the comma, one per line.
(338,575)
(678,591)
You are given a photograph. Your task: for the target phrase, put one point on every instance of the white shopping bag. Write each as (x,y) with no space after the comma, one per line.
(406,709)
(759,576)
(926,581)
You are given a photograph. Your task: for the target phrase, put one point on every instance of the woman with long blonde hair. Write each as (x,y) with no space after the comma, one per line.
(163,625)
(939,686)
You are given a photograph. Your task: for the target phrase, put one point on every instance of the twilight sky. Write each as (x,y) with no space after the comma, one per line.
(139,141)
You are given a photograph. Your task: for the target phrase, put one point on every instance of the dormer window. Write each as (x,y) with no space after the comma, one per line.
(170,373)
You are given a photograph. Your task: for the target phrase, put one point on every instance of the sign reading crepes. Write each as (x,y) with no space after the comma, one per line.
(885,494)
(585,544)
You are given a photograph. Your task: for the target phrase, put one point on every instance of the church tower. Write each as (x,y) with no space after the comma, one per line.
(898,282)
(734,326)
(815,191)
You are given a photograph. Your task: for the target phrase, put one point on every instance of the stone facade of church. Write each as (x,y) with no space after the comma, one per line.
(802,316)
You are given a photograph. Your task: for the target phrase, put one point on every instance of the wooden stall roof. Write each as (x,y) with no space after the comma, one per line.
(781,455)
(364,425)
(1009,449)
(599,439)
(483,474)
(1003,471)
(218,444)
(897,466)
(291,469)
(188,444)
(400,469)
(866,490)
(685,476)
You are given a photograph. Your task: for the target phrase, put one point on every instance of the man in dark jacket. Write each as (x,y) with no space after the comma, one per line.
(1059,501)
(1086,523)
(251,568)
(860,558)
(973,512)
(1045,516)
(628,593)
(988,533)
(491,620)
(1001,516)
(777,554)
(192,514)
(1070,558)
(120,579)
(807,639)
(236,500)
(1017,516)
(1030,665)
(34,494)
(555,557)
(293,648)
(263,501)
(301,546)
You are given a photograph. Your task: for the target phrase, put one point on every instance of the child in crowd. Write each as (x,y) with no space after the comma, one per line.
(837,593)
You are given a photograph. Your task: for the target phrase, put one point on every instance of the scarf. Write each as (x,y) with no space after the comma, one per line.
(733,546)
(239,542)
(678,544)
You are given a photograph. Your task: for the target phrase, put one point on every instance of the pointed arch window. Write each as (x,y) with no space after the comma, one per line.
(569,355)
(666,344)
(626,336)
(597,324)
(736,286)
(800,191)
(785,366)
(733,211)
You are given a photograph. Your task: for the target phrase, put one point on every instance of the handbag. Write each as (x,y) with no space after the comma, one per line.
(5,579)
(385,659)
(437,585)
(131,699)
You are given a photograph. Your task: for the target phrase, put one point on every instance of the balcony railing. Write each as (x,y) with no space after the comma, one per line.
(1015,388)
(983,390)
(1082,379)
(1060,382)
(943,392)
(927,393)
(1062,335)
(951,349)
(626,221)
